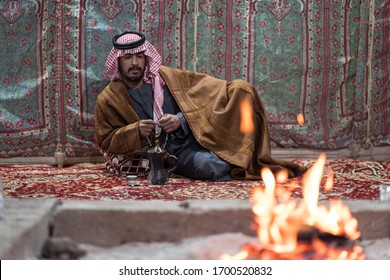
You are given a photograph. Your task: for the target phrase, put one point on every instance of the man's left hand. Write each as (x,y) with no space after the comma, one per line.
(169,123)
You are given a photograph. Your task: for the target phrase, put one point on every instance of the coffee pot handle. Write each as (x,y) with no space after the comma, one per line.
(174,163)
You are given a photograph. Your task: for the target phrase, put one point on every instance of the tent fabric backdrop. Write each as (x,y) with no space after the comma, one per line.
(328,60)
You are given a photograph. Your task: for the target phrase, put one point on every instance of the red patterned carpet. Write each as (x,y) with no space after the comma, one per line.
(353,180)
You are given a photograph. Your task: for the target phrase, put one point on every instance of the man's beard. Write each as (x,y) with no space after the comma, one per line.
(134,79)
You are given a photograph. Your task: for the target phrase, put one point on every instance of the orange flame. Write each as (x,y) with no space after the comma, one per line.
(278,222)
(246,124)
(282,176)
(300,119)
(329,180)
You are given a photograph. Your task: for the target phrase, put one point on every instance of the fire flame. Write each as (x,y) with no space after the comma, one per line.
(281,220)
(246,123)
(300,119)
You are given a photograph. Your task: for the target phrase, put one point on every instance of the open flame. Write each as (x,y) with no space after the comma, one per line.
(300,119)
(284,226)
(246,123)
(287,229)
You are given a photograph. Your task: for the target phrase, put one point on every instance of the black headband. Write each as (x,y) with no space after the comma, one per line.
(127,46)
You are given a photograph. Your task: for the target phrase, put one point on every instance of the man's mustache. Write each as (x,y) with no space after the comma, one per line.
(134,68)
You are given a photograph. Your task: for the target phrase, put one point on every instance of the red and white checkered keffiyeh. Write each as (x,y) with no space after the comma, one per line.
(153,62)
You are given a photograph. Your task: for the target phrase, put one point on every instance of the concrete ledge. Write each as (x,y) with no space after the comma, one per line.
(106,224)
(50,160)
(359,153)
(29,223)
(113,223)
(373,217)
(25,227)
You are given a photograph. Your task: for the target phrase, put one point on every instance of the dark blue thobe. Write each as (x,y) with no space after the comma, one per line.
(194,161)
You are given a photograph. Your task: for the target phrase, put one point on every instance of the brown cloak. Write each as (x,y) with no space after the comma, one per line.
(211,107)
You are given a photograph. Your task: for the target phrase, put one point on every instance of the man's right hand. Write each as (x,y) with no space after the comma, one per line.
(146,127)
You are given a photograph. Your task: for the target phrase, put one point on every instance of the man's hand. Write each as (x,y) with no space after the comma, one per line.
(146,127)
(169,123)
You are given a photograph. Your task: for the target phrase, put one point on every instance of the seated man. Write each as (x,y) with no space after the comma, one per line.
(195,116)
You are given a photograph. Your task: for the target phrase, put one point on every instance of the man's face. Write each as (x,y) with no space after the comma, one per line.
(132,67)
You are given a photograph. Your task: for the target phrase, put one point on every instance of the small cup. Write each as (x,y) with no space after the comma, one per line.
(131,180)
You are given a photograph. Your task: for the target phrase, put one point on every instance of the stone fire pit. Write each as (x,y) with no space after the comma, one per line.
(34,228)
